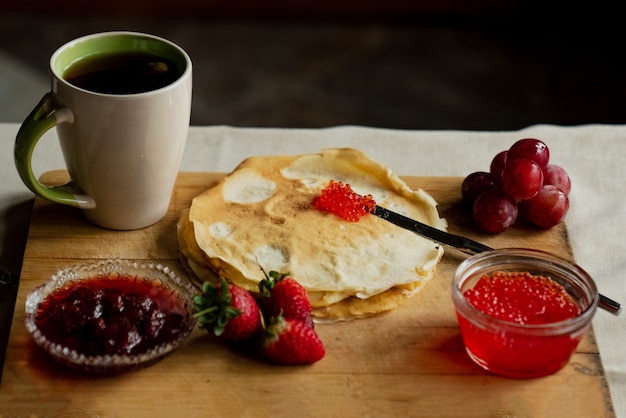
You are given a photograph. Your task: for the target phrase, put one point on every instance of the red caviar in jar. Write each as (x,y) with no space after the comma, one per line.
(520,299)
(340,199)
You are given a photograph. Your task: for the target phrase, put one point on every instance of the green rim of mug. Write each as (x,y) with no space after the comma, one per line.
(115,42)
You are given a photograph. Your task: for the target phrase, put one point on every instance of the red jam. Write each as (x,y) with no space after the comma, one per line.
(520,298)
(111,315)
(340,199)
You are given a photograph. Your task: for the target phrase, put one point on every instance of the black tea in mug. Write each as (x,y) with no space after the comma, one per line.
(122,72)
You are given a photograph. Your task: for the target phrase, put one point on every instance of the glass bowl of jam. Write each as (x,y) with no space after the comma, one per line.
(522,312)
(111,316)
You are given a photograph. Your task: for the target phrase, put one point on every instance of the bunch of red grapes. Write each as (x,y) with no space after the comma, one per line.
(520,184)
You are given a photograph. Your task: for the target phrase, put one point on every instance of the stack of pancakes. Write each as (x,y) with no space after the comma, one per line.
(261,216)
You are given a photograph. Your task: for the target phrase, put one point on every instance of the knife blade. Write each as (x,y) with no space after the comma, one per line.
(463,244)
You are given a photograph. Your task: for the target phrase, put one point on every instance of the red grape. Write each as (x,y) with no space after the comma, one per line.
(520,184)
(529,148)
(522,178)
(497,165)
(474,185)
(557,176)
(547,208)
(494,211)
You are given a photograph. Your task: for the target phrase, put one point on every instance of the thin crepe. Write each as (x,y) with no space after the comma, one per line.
(262,216)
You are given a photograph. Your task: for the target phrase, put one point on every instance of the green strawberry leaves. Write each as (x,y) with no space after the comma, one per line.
(214,307)
(266,285)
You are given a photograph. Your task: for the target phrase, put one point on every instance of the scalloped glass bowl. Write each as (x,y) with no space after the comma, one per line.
(161,278)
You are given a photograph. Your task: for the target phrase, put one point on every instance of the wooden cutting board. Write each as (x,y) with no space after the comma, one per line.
(409,362)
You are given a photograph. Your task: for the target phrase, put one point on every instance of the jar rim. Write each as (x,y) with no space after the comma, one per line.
(524,259)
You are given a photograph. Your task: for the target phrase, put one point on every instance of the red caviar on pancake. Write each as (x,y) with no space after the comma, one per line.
(340,199)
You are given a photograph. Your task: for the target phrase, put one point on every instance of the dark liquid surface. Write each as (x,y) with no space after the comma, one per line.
(122,73)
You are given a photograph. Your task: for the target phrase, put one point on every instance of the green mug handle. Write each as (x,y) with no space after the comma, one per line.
(47,114)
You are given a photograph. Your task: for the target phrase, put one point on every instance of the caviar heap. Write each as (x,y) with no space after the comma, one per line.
(520,184)
(340,199)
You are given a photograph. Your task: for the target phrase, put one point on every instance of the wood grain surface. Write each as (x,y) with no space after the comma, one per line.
(408,362)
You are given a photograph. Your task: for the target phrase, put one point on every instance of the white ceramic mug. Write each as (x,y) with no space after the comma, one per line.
(122,151)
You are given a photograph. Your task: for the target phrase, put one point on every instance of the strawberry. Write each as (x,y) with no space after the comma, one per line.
(290,341)
(232,312)
(283,295)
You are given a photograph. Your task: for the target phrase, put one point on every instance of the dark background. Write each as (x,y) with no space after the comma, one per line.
(483,65)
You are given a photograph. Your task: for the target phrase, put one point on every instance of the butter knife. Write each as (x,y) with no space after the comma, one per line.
(462,244)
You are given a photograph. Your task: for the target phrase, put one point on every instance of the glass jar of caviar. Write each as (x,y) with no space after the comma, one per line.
(522,312)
